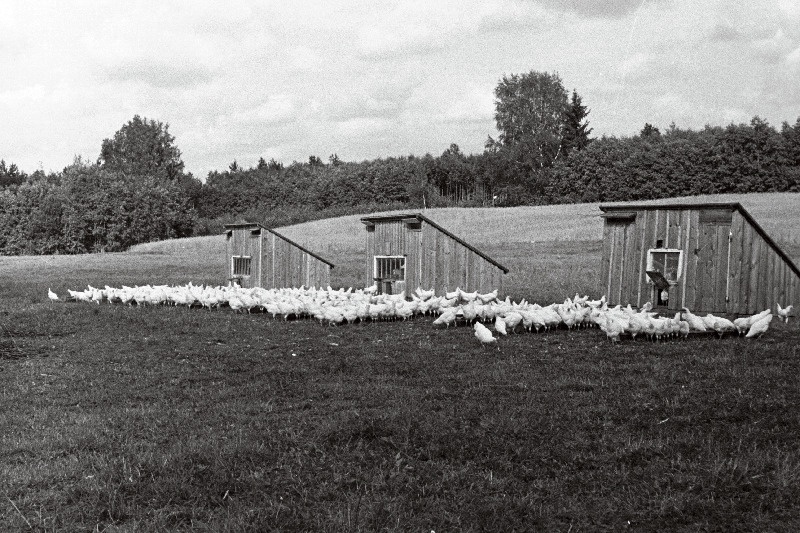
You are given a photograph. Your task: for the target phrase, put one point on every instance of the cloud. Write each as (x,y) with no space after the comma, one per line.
(475,105)
(379,91)
(726,33)
(362,126)
(423,28)
(774,48)
(634,65)
(612,9)
(409,38)
(277,109)
(160,74)
(509,15)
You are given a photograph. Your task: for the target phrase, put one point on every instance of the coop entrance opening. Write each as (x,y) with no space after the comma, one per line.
(389,273)
(664,267)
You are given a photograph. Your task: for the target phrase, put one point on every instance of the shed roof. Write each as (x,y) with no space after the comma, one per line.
(735,206)
(422,218)
(244,225)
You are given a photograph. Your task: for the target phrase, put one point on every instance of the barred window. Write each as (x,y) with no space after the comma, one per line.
(240,265)
(390,268)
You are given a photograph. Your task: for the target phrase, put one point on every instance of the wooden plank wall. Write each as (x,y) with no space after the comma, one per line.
(287,266)
(760,278)
(385,238)
(447,264)
(433,259)
(242,242)
(756,279)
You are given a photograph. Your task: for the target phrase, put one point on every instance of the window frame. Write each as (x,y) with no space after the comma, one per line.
(249,264)
(375,267)
(650,263)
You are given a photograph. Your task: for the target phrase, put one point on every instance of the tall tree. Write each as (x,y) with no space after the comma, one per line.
(142,147)
(529,111)
(576,127)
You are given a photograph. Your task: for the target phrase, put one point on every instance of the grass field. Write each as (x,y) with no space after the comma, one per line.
(122,418)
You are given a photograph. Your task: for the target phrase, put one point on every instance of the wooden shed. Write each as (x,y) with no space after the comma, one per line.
(262,257)
(711,258)
(410,251)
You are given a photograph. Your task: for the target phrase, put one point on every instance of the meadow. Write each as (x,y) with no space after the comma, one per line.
(118,418)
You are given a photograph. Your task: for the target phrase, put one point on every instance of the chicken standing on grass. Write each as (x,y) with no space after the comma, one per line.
(500,325)
(53,296)
(483,334)
(759,327)
(743,323)
(721,325)
(695,322)
(784,312)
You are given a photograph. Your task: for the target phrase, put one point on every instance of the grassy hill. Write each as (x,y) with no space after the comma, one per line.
(778,213)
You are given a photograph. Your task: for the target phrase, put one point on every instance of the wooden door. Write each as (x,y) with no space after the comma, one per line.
(616,282)
(713,257)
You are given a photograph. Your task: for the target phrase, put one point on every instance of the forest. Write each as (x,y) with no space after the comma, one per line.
(138,191)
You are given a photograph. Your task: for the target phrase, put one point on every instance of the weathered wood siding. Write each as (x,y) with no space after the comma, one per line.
(242,242)
(760,277)
(284,265)
(728,267)
(386,238)
(433,259)
(447,264)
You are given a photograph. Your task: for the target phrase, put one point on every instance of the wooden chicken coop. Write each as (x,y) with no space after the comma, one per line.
(262,257)
(711,258)
(409,251)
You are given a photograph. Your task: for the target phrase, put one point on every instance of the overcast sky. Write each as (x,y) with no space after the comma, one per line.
(367,79)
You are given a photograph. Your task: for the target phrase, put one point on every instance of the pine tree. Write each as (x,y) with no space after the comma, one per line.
(576,127)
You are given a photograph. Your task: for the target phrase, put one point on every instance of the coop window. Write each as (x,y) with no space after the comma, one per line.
(240,265)
(390,268)
(413,224)
(668,262)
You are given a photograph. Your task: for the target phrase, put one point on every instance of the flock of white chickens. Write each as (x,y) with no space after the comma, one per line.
(617,321)
(333,307)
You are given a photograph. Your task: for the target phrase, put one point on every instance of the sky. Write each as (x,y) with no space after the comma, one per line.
(239,80)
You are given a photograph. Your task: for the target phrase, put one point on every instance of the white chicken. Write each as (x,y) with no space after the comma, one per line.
(743,323)
(612,328)
(53,296)
(695,322)
(453,295)
(722,325)
(784,312)
(425,295)
(488,297)
(500,325)
(468,296)
(512,319)
(759,327)
(446,318)
(483,334)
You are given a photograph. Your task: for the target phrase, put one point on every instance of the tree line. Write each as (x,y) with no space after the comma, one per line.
(138,190)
